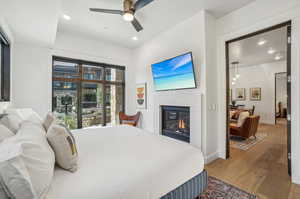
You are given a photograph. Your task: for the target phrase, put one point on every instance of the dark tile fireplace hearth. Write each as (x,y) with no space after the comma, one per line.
(176,122)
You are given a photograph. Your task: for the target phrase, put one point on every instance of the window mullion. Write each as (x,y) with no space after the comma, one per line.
(79,98)
(104,97)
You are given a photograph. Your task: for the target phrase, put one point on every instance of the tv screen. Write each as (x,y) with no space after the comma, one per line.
(175,73)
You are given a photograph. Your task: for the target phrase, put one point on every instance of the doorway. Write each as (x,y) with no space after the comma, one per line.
(251,98)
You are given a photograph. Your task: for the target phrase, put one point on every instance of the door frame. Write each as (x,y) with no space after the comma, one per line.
(287,24)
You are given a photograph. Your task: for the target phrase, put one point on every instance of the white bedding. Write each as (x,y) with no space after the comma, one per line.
(124,162)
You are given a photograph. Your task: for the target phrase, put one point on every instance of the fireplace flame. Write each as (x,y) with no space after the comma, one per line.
(181,124)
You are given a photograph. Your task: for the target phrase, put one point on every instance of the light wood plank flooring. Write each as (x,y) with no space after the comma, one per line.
(262,169)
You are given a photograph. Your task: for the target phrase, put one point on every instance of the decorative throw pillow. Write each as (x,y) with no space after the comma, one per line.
(5,133)
(236,114)
(50,118)
(64,147)
(242,118)
(12,122)
(231,114)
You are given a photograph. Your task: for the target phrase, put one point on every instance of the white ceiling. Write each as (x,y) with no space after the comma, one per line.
(155,18)
(249,53)
(32,21)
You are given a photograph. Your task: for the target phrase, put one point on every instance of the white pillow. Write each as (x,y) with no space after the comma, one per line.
(26,114)
(50,118)
(15,181)
(12,122)
(242,117)
(64,147)
(14,178)
(5,133)
(37,156)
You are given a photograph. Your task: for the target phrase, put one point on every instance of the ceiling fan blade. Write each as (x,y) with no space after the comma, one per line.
(118,12)
(141,3)
(138,27)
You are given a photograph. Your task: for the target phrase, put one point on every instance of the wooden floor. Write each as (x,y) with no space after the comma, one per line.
(261,170)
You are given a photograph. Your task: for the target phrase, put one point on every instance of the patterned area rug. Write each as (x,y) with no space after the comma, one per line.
(218,189)
(239,143)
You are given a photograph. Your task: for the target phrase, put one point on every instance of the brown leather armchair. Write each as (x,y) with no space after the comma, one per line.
(131,120)
(248,129)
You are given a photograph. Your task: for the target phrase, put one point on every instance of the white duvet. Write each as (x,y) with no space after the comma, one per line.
(124,162)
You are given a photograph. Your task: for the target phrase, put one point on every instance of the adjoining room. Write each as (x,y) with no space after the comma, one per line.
(258,109)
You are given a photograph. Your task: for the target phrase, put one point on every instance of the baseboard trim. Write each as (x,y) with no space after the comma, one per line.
(211,157)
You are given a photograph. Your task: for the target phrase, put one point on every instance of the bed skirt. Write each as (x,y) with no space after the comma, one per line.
(191,189)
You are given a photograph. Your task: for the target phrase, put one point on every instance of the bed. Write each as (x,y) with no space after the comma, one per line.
(124,162)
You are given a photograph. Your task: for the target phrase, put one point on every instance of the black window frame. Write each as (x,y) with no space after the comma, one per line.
(5,67)
(81,80)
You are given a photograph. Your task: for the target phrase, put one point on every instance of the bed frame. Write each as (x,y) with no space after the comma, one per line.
(191,189)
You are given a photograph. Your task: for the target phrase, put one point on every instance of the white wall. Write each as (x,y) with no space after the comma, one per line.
(31,78)
(248,19)
(187,36)
(32,69)
(259,76)
(210,108)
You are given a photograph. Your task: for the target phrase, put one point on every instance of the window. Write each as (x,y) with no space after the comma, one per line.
(87,94)
(4,68)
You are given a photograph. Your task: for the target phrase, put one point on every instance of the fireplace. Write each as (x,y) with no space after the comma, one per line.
(176,122)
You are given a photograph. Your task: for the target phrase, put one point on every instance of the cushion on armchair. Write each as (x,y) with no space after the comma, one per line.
(242,118)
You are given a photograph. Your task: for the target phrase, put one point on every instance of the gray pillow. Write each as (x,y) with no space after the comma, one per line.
(5,133)
(37,156)
(63,144)
(2,115)
(15,181)
(12,122)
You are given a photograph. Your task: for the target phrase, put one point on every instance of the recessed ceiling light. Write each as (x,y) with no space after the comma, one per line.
(271,51)
(278,57)
(262,42)
(135,38)
(66,17)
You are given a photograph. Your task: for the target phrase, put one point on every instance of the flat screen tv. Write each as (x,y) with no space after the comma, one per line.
(175,73)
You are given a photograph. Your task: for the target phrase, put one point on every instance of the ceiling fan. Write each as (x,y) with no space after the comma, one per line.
(129,9)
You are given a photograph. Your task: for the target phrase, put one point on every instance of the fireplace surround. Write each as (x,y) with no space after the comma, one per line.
(176,122)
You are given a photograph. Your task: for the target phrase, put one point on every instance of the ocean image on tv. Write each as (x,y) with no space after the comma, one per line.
(176,73)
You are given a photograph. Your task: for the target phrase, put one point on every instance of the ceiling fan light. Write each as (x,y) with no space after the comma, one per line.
(128,16)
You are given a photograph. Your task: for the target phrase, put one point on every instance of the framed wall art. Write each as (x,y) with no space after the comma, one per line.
(141,96)
(240,94)
(255,94)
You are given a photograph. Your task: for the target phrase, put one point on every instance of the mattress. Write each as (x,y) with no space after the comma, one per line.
(124,162)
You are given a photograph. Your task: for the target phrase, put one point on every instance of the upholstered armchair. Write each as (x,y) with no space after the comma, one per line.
(131,120)
(247,129)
